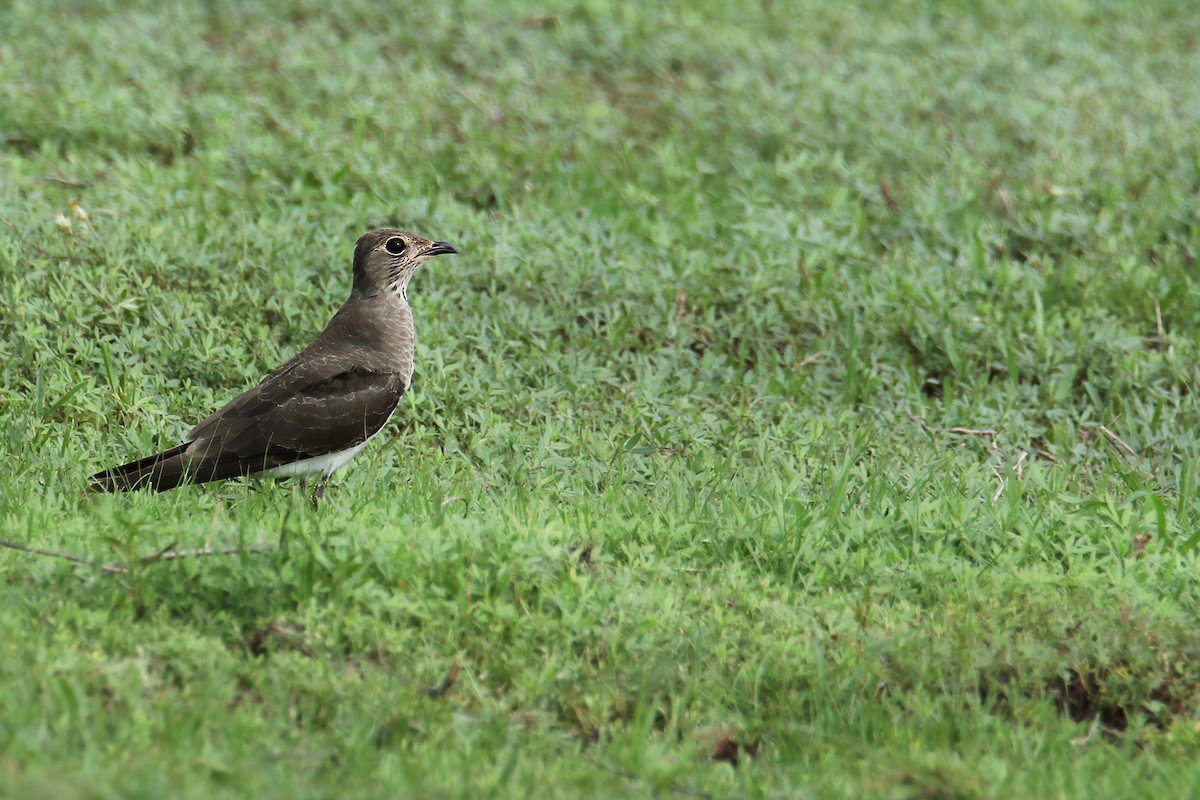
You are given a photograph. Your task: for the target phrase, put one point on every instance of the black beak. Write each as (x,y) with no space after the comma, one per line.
(440,249)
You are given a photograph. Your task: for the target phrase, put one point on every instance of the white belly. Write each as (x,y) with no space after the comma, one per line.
(325,464)
(318,464)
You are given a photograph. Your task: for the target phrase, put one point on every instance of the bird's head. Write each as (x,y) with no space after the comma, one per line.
(385,260)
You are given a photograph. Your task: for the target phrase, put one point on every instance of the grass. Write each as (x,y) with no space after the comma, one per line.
(677,483)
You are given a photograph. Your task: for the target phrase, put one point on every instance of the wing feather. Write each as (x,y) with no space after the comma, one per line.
(298,412)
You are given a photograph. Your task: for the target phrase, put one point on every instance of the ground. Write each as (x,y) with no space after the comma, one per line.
(808,413)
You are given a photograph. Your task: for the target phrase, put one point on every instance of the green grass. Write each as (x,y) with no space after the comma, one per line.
(677,465)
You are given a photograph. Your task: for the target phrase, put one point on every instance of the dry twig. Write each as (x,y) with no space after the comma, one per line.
(999,489)
(1160,330)
(971,431)
(170,554)
(37,551)
(1091,734)
(1016,468)
(198,552)
(63,180)
(1117,440)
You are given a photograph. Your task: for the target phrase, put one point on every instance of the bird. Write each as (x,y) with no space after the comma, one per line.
(318,410)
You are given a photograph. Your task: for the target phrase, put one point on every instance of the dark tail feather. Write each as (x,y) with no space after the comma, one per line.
(170,468)
(159,472)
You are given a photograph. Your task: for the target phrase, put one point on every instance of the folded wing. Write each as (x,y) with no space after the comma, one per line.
(303,410)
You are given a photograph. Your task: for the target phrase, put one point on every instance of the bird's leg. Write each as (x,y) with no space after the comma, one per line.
(318,491)
(303,484)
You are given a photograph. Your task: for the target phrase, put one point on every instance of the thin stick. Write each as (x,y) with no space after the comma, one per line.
(198,552)
(1117,440)
(74,183)
(37,551)
(1016,469)
(810,359)
(971,431)
(170,554)
(1160,330)
(1095,726)
(1000,488)
(981,433)
(168,548)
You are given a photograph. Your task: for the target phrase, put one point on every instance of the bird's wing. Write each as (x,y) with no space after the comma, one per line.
(304,409)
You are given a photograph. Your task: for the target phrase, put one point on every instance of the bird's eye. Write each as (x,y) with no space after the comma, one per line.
(395,246)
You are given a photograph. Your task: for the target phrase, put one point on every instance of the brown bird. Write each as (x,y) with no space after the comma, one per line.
(317,411)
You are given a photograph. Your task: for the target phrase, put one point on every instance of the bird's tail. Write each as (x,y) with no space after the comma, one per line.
(159,472)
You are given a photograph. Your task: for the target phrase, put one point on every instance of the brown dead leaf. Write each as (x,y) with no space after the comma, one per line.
(540,22)
(275,634)
(726,749)
(585,553)
(730,750)
(886,190)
